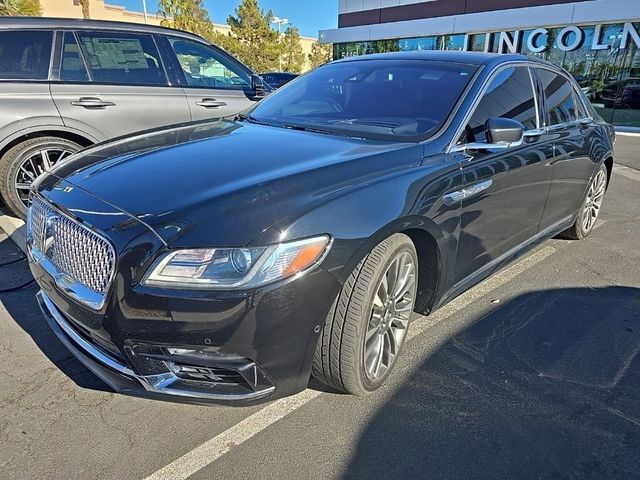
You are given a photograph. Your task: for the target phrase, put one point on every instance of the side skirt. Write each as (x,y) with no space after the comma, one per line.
(503,260)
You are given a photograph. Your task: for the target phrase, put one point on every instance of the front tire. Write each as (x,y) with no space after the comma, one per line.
(590,208)
(24,162)
(365,330)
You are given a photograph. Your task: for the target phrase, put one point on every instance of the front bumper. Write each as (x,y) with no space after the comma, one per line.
(259,355)
(122,378)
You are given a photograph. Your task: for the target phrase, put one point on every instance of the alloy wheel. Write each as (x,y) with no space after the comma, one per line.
(34,163)
(594,201)
(390,315)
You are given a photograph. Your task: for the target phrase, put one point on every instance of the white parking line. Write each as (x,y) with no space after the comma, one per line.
(207,453)
(213,449)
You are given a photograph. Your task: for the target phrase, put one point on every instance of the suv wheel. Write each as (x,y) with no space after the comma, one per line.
(23,163)
(365,330)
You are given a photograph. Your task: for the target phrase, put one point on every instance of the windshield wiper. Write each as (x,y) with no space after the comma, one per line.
(303,128)
(250,119)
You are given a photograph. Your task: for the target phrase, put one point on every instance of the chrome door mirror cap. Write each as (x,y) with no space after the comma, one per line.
(485,146)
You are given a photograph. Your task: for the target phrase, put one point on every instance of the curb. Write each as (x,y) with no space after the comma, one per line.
(15,229)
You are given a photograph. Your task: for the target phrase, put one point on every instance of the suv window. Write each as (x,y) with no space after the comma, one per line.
(510,95)
(123,58)
(72,68)
(205,67)
(25,55)
(561,104)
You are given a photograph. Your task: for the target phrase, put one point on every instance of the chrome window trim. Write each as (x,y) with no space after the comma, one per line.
(67,284)
(452,147)
(52,56)
(536,101)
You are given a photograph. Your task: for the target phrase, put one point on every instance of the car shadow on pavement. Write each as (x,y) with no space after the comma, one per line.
(546,386)
(17,295)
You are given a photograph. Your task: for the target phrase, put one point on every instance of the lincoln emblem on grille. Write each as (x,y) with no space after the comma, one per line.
(48,233)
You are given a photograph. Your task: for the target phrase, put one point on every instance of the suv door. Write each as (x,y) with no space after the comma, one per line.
(113,83)
(573,132)
(214,83)
(504,190)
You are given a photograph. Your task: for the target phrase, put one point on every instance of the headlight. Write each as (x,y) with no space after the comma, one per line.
(233,268)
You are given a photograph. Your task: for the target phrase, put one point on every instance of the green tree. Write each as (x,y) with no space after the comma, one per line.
(254,41)
(224,40)
(29,8)
(188,15)
(293,58)
(320,54)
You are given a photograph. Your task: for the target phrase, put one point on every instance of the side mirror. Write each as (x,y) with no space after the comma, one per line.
(501,133)
(258,86)
(504,131)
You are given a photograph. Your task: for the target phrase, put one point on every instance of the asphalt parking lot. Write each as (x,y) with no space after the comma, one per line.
(534,373)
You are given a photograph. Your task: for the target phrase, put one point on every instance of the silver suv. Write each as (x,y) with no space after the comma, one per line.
(66,84)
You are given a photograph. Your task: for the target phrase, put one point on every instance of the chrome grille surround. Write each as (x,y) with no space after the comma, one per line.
(81,261)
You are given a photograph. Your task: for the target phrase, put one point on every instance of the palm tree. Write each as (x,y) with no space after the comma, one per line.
(85,8)
(20,8)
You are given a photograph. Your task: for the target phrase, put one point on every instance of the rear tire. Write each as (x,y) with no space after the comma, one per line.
(590,207)
(22,164)
(363,323)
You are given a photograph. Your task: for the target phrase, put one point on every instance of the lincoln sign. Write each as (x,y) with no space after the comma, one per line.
(568,39)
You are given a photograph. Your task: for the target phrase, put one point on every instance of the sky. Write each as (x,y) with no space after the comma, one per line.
(308,15)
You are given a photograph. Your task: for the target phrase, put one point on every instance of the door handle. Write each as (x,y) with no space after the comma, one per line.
(210,103)
(92,102)
(453,198)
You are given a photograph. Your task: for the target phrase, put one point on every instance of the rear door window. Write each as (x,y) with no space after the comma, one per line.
(122,58)
(560,97)
(25,55)
(510,95)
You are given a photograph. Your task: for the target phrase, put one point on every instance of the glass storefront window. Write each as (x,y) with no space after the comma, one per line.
(477,42)
(452,42)
(421,43)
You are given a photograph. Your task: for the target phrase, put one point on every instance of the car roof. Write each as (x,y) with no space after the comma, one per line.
(7,22)
(472,58)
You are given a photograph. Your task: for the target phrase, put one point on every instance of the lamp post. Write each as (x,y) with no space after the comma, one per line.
(144,9)
(280,22)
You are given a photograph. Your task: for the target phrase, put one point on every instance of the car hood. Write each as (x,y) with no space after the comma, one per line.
(222,183)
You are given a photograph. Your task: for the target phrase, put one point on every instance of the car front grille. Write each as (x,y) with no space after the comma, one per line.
(73,249)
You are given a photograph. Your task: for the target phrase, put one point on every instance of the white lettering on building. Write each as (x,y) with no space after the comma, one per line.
(509,42)
(569,39)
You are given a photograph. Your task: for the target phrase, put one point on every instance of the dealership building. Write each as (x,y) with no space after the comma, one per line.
(597,41)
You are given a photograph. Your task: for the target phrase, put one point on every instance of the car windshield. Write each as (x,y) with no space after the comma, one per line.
(397,100)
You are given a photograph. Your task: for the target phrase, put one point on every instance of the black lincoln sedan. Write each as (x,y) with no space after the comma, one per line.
(229,261)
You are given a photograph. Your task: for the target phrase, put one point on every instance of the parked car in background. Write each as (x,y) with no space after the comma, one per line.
(66,84)
(299,238)
(278,79)
(623,94)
